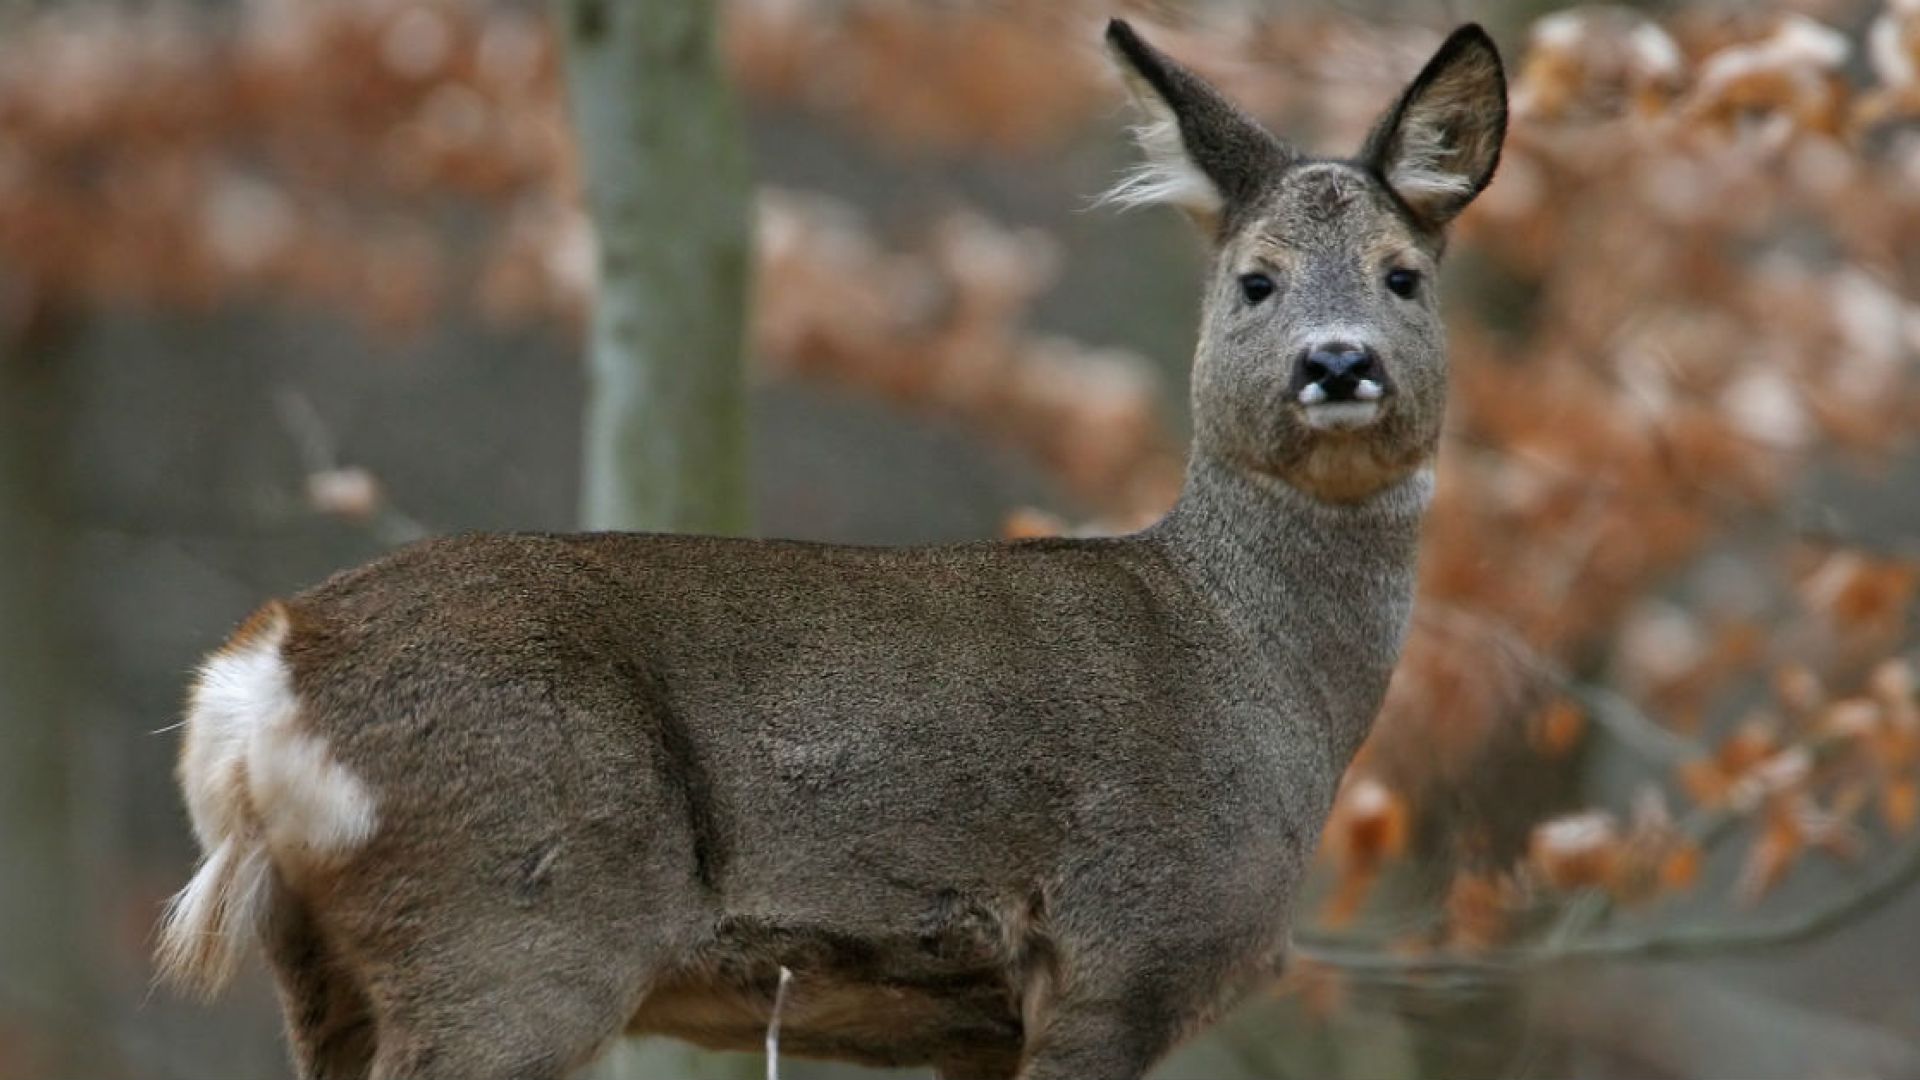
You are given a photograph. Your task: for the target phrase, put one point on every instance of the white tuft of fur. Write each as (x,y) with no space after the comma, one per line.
(207,924)
(1166,176)
(261,792)
(1420,168)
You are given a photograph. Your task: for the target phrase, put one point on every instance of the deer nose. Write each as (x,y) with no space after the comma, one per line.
(1339,371)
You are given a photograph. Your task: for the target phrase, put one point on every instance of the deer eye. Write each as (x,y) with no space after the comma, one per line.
(1256,287)
(1403,282)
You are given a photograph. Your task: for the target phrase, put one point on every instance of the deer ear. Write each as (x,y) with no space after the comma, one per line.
(1438,146)
(1202,154)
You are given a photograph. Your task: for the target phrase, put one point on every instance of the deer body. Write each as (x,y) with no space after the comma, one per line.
(1035,809)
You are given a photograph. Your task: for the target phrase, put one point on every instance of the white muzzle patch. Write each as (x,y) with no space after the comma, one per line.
(1342,415)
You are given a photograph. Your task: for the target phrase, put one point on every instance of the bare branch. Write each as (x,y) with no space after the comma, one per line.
(1632,728)
(1360,957)
(345,492)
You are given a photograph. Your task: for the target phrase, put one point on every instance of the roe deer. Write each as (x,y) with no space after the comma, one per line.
(1034,809)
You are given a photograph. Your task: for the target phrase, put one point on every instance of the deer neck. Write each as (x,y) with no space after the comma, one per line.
(1321,591)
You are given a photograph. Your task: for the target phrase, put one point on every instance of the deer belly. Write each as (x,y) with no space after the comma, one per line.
(962,1016)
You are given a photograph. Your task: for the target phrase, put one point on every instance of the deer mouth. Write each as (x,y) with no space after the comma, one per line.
(1342,415)
(1342,408)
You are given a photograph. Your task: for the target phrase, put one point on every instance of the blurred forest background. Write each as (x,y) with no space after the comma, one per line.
(283,284)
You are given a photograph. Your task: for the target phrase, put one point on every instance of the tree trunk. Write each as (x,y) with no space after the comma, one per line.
(47,1012)
(666,176)
(665,162)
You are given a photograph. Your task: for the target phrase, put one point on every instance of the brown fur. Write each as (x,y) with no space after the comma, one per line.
(1342,468)
(1035,809)
(265,621)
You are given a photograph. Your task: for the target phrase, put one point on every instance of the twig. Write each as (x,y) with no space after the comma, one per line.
(1346,953)
(1565,943)
(773,1024)
(319,456)
(310,434)
(1631,727)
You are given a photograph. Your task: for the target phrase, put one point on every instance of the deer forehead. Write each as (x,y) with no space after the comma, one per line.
(1329,207)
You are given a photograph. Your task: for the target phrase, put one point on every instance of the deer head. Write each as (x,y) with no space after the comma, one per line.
(1322,359)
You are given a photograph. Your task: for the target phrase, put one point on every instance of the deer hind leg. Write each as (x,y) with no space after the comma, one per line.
(468,991)
(495,984)
(448,1017)
(1113,995)
(1112,1039)
(976,1070)
(330,1025)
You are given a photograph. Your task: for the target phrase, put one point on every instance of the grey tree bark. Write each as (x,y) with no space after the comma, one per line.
(667,183)
(666,171)
(46,996)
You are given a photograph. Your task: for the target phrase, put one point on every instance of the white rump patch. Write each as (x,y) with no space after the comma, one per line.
(261,792)
(246,755)
(1167,175)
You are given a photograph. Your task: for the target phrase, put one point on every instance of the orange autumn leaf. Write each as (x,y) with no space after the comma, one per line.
(1027,523)
(1754,742)
(1368,826)
(1479,911)
(1790,770)
(1703,781)
(1577,850)
(1679,869)
(1558,728)
(1851,718)
(1780,844)
(1798,687)
(1897,746)
(1857,591)
(1893,682)
(1900,805)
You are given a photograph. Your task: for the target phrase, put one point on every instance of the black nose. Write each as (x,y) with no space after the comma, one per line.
(1338,367)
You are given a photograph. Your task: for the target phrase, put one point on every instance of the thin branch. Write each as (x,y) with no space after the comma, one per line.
(1633,729)
(310,434)
(319,456)
(1705,827)
(1348,954)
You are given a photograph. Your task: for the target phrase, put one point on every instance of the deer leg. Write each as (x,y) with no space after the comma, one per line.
(1114,987)
(484,985)
(329,1024)
(542,1023)
(977,1069)
(1108,1039)
(1105,1015)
